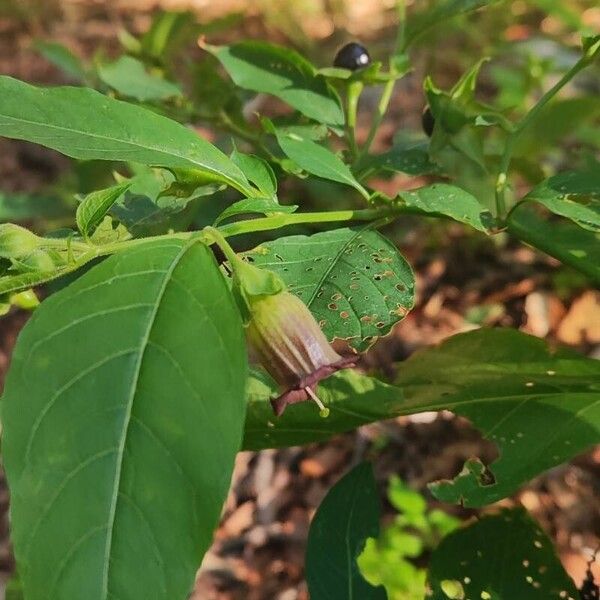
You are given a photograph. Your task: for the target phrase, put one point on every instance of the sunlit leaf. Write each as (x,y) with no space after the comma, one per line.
(354,281)
(504,556)
(119,384)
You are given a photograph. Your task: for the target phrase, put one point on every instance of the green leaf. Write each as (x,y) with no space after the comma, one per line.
(168,30)
(439,13)
(265,206)
(84,124)
(449,201)
(14,589)
(354,281)
(400,159)
(504,556)
(60,56)
(371,75)
(591,46)
(569,243)
(540,407)
(94,207)
(575,195)
(157,202)
(18,207)
(317,160)
(271,69)
(258,171)
(129,77)
(123,412)
(568,118)
(348,515)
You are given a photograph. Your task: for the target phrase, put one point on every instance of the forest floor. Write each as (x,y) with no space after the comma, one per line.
(258,552)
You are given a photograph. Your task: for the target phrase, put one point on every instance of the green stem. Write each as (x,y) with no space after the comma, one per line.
(353,92)
(61,244)
(502,178)
(388,89)
(278,221)
(248,135)
(89,252)
(215,236)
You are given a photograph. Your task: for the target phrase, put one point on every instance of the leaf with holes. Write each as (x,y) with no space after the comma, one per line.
(354,281)
(574,195)
(271,69)
(540,407)
(504,556)
(347,516)
(119,385)
(446,200)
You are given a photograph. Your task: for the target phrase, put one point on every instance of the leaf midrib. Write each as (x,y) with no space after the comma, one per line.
(128,417)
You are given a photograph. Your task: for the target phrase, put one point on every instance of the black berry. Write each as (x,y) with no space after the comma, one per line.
(352,56)
(427,121)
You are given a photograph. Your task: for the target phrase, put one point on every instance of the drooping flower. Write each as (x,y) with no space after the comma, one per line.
(292,348)
(282,332)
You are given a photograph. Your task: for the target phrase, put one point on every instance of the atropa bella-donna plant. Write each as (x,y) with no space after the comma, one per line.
(281,332)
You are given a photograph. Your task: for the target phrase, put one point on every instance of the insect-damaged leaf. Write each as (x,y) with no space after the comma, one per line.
(499,557)
(540,407)
(354,281)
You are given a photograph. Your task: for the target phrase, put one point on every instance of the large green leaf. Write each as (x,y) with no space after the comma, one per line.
(84,124)
(448,201)
(129,77)
(347,516)
(505,556)
(317,160)
(271,69)
(123,411)
(572,245)
(354,281)
(539,407)
(575,195)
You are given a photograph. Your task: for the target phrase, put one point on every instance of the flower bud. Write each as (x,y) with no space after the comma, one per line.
(16,241)
(291,347)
